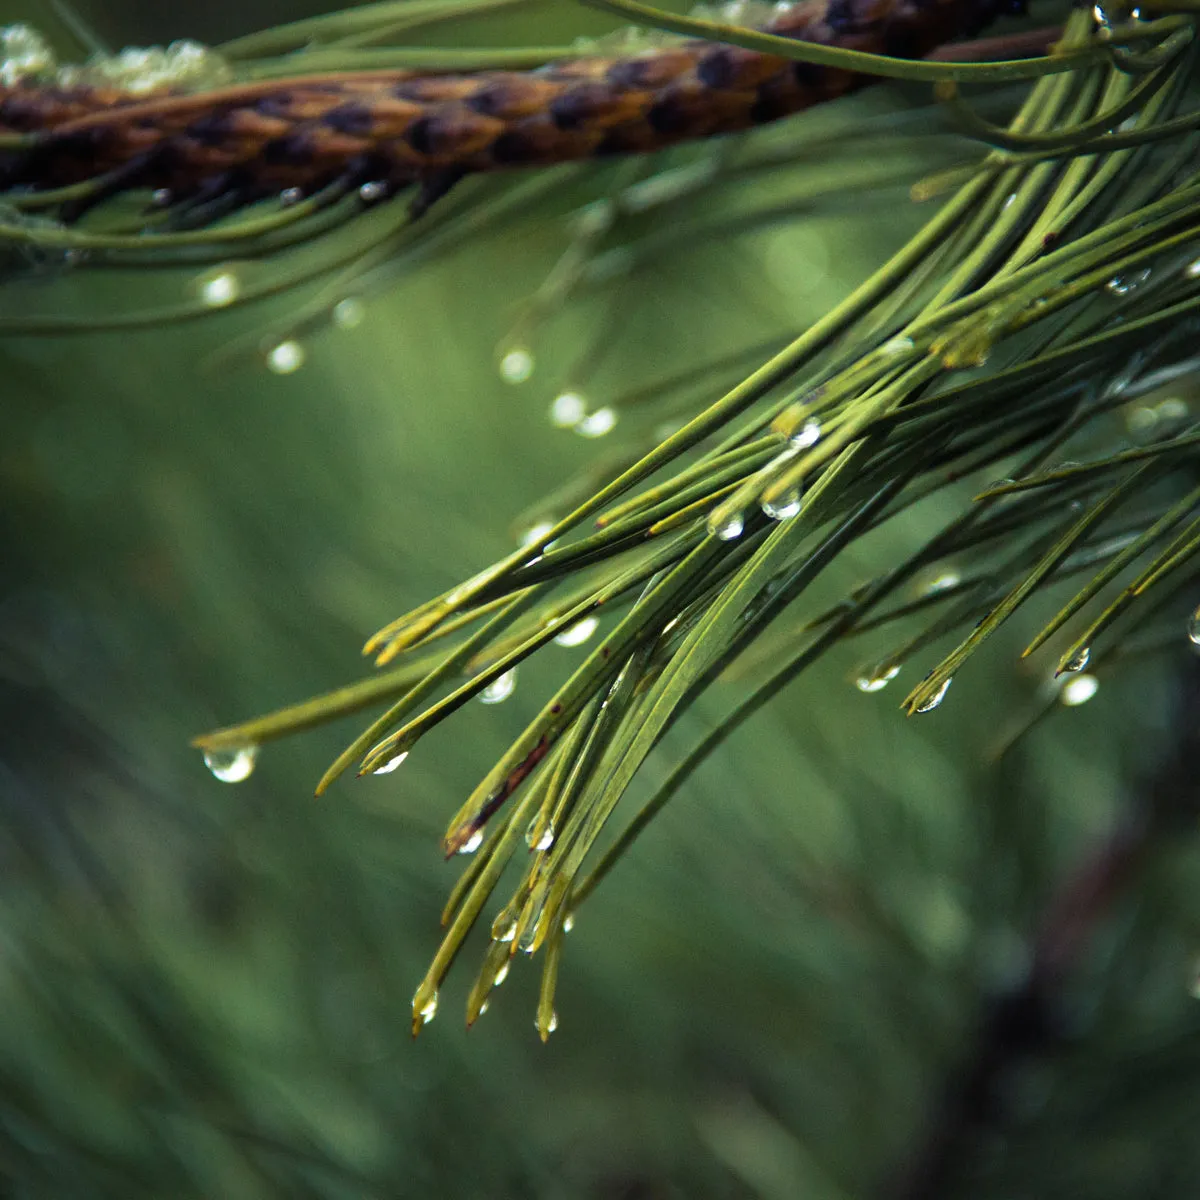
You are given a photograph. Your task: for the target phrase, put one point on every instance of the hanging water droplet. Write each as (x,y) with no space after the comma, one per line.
(504,927)
(1079,690)
(232,764)
(937,697)
(598,423)
(539,836)
(578,633)
(349,313)
(373,191)
(551,1025)
(528,937)
(726,526)
(568,922)
(428,1010)
(500,688)
(567,410)
(392,763)
(483,1008)
(1193,628)
(516,365)
(291,196)
(809,435)
(285,358)
(786,506)
(1078,660)
(472,843)
(501,975)
(877,679)
(218,288)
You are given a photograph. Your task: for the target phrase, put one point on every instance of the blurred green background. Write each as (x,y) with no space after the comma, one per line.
(206,988)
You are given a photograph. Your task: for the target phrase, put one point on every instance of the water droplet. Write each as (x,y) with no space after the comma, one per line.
(578,633)
(231,764)
(1079,690)
(876,680)
(539,839)
(531,930)
(536,532)
(725,526)
(373,191)
(1140,422)
(472,843)
(897,346)
(286,357)
(162,197)
(504,927)
(1173,410)
(598,423)
(483,1008)
(1193,628)
(1078,660)
(567,410)
(568,922)
(291,196)
(349,313)
(809,435)
(787,505)
(1192,270)
(392,763)
(1122,285)
(218,288)
(942,581)
(428,1010)
(516,365)
(502,974)
(551,1025)
(937,697)
(500,688)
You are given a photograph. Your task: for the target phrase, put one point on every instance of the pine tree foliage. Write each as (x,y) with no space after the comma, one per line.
(998,417)
(1050,293)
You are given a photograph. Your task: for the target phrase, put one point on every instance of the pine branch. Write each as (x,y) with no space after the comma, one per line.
(1054,284)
